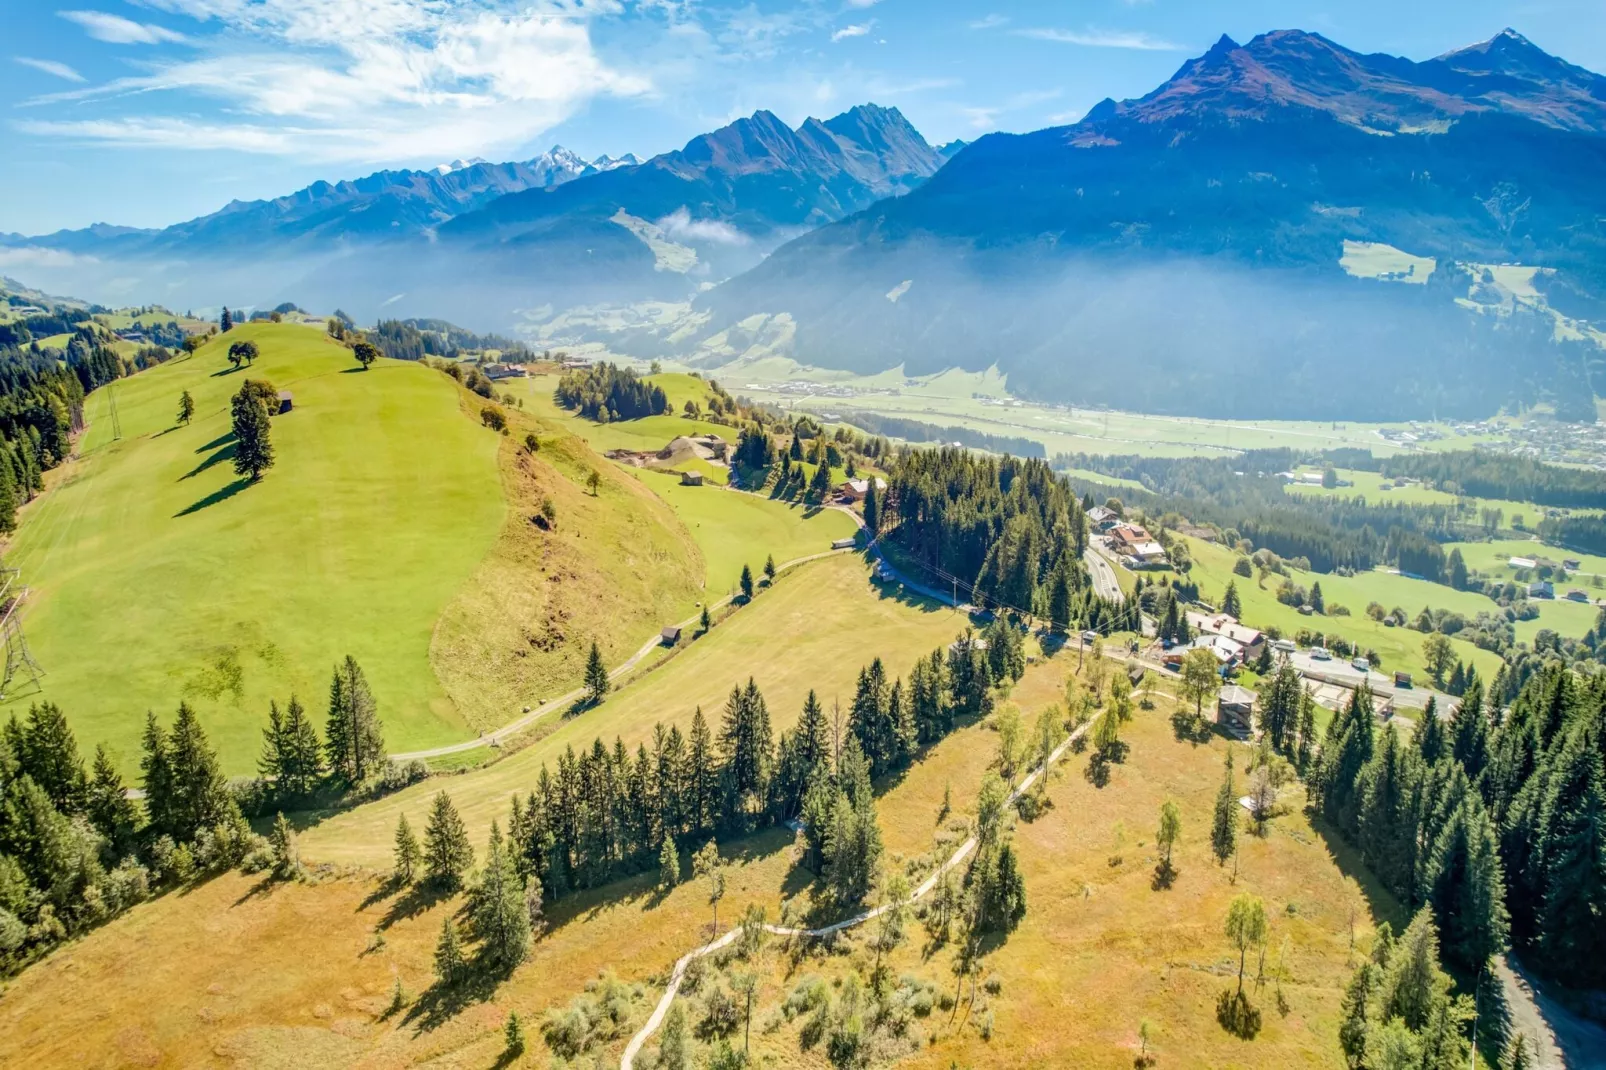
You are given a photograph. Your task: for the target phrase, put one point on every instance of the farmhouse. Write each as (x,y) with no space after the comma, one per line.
(691,479)
(1228,652)
(1125,536)
(854,490)
(1541,589)
(503,371)
(1578,595)
(1235,709)
(1251,641)
(1102,519)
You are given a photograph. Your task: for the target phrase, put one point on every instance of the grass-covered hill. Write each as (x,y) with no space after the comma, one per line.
(159,576)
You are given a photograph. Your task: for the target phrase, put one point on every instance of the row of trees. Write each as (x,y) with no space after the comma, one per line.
(604,812)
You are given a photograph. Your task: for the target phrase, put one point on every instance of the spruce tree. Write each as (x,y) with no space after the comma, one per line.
(49,753)
(156,777)
(1231,604)
(253,436)
(700,777)
(872,508)
(501,919)
(1224,824)
(302,753)
(596,681)
(769,567)
(1466,887)
(1431,738)
(186,408)
(408,854)
(668,865)
(704,621)
(450,966)
(286,855)
(353,737)
(447,854)
(747,583)
(226,321)
(1572,917)
(110,809)
(513,1036)
(1469,732)
(199,793)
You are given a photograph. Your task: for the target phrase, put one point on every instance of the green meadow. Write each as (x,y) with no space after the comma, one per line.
(158,576)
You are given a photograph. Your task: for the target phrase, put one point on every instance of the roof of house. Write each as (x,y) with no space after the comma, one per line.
(1223,648)
(1225,624)
(862,486)
(1098,513)
(1148,548)
(1234,695)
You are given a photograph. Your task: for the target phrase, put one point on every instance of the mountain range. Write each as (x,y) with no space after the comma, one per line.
(1186,251)
(1284,227)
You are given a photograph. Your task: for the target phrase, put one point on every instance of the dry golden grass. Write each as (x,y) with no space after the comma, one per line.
(236,972)
(618,566)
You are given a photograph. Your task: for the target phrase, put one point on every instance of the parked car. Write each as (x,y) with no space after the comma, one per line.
(1284,646)
(1361,663)
(1320,653)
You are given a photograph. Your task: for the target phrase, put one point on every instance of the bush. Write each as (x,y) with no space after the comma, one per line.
(721,1015)
(493,417)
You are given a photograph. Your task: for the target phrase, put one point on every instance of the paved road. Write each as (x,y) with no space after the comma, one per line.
(1105,585)
(627,1062)
(1341,672)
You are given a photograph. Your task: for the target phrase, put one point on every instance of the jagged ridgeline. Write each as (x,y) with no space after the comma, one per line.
(1010,527)
(605,392)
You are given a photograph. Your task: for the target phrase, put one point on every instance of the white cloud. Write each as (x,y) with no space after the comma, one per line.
(32,256)
(117,30)
(863,3)
(50,66)
(361,80)
(681,226)
(1094,38)
(851,31)
(989,22)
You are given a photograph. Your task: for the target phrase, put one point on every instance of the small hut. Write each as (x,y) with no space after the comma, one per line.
(286,401)
(671,634)
(691,479)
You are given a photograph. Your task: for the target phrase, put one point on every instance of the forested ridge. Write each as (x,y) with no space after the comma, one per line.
(607,392)
(1009,531)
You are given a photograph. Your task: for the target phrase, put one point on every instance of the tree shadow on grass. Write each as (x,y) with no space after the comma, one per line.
(219,495)
(224,454)
(1380,902)
(416,900)
(259,890)
(441,1002)
(1165,875)
(1188,728)
(229,371)
(225,437)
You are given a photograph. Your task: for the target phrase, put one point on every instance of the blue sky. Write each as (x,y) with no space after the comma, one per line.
(146,112)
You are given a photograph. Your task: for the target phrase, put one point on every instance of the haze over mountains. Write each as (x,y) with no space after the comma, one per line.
(1233,243)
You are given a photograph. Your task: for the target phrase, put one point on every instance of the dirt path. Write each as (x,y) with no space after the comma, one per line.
(496,736)
(627,1061)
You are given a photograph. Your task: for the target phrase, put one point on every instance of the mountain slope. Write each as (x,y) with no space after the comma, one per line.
(1163,251)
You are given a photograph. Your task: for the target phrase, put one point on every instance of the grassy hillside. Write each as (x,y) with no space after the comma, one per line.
(158,576)
(1099,949)
(815,629)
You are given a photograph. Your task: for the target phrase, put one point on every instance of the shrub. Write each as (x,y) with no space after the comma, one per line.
(493,417)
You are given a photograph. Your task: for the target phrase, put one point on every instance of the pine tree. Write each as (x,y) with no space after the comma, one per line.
(157,777)
(700,778)
(513,1036)
(1469,732)
(353,739)
(286,855)
(447,854)
(596,680)
(450,966)
(1466,887)
(49,753)
(668,865)
(501,919)
(1572,918)
(769,567)
(1231,604)
(1224,825)
(199,794)
(872,508)
(302,753)
(186,408)
(1431,741)
(408,854)
(747,583)
(704,621)
(226,321)
(1307,731)
(110,809)
(253,437)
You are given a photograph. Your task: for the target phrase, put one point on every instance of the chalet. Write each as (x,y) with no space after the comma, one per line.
(1235,710)
(1571,564)
(1228,652)
(1125,536)
(691,479)
(1578,595)
(503,371)
(1102,519)
(1249,639)
(1541,589)
(854,490)
(671,634)
(1147,552)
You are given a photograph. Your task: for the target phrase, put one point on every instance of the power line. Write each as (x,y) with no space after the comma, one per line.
(111,402)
